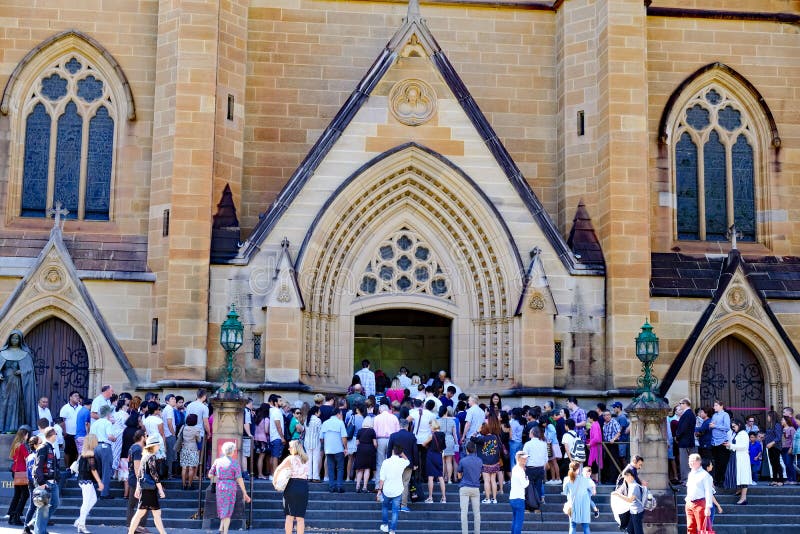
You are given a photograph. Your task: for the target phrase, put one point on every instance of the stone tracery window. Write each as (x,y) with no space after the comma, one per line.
(404,263)
(715,168)
(69,129)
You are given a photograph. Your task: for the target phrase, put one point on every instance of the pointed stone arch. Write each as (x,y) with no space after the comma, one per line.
(760,340)
(25,72)
(411,189)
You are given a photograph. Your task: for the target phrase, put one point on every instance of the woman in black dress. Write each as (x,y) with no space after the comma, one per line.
(148,487)
(433,460)
(366,453)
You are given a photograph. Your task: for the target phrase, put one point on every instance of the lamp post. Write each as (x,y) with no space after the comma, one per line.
(231,334)
(647,352)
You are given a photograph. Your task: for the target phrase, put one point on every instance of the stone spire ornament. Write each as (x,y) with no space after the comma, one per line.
(413,11)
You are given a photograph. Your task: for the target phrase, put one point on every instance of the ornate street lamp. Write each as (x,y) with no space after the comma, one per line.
(231,335)
(647,352)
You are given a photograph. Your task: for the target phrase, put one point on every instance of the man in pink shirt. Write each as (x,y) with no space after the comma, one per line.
(385,424)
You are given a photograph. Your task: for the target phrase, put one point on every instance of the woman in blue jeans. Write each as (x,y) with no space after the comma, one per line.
(519,481)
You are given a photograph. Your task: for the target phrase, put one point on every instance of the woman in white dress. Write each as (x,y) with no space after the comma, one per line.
(740,446)
(120,416)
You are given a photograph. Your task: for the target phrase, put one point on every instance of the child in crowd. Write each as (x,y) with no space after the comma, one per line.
(756,453)
(708,465)
(587,473)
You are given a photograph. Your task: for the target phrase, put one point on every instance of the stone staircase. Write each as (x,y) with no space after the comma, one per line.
(351,512)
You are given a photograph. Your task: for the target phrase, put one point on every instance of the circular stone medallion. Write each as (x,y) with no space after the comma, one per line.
(412,102)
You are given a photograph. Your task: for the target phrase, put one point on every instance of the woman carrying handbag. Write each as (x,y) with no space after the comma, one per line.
(19,452)
(295,490)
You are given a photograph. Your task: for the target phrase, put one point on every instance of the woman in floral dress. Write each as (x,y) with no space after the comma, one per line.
(228,475)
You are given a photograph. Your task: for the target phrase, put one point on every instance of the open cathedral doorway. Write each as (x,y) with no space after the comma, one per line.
(733,374)
(393,338)
(60,361)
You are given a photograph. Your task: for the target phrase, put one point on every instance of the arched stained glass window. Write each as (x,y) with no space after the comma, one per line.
(404,263)
(714,162)
(69,142)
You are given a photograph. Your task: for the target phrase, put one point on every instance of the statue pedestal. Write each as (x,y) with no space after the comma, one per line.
(6,479)
(648,439)
(228,421)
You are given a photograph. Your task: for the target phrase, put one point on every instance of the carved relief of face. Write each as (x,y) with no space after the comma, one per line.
(14,340)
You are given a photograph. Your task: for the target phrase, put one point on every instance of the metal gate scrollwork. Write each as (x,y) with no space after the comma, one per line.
(749,381)
(712,382)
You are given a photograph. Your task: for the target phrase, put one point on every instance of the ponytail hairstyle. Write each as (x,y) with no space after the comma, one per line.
(574,469)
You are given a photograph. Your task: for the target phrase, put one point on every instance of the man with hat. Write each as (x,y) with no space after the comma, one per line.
(106,434)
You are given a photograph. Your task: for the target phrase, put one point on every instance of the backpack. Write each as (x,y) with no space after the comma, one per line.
(351,427)
(648,500)
(578,450)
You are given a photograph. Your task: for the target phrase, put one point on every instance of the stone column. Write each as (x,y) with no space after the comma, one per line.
(228,420)
(648,439)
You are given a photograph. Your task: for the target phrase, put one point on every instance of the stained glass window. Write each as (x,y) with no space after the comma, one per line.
(69,101)
(714,168)
(404,262)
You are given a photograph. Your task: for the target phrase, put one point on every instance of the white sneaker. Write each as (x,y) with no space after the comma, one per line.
(269,478)
(486,501)
(553,482)
(494,501)
(384,528)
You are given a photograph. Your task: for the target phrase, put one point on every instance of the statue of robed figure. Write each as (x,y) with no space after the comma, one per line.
(17,384)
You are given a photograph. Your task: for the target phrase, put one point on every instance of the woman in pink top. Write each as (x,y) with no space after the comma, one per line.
(295,496)
(595,460)
(395,393)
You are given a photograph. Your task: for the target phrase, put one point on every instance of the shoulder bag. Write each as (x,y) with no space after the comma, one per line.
(281,480)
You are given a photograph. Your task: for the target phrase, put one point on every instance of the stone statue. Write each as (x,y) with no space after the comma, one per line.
(17,384)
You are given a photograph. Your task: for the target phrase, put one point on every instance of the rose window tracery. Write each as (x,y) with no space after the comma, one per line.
(404,263)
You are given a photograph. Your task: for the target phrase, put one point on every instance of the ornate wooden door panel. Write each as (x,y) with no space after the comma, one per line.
(732,374)
(60,360)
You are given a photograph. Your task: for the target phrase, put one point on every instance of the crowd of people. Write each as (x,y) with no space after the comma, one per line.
(403,440)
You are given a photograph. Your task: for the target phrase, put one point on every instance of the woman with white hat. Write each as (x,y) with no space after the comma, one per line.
(148,486)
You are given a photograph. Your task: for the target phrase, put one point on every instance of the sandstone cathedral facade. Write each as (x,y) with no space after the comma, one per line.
(505,190)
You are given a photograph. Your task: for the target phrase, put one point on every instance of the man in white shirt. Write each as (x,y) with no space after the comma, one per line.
(402,376)
(384,425)
(430,395)
(277,435)
(103,428)
(390,488)
(367,378)
(446,382)
(199,408)
(699,495)
(421,426)
(44,411)
(104,399)
(474,420)
(170,437)
(536,449)
(69,413)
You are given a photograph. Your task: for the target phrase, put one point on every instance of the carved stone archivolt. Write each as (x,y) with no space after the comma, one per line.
(448,226)
(412,102)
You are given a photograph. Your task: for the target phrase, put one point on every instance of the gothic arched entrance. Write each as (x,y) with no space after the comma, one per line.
(60,360)
(733,374)
(393,338)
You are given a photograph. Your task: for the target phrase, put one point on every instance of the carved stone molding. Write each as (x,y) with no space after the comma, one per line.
(412,102)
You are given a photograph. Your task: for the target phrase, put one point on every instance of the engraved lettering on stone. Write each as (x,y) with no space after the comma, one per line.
(412,102)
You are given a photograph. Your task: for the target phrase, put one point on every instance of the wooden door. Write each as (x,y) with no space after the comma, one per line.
(60,360)
(732,374)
